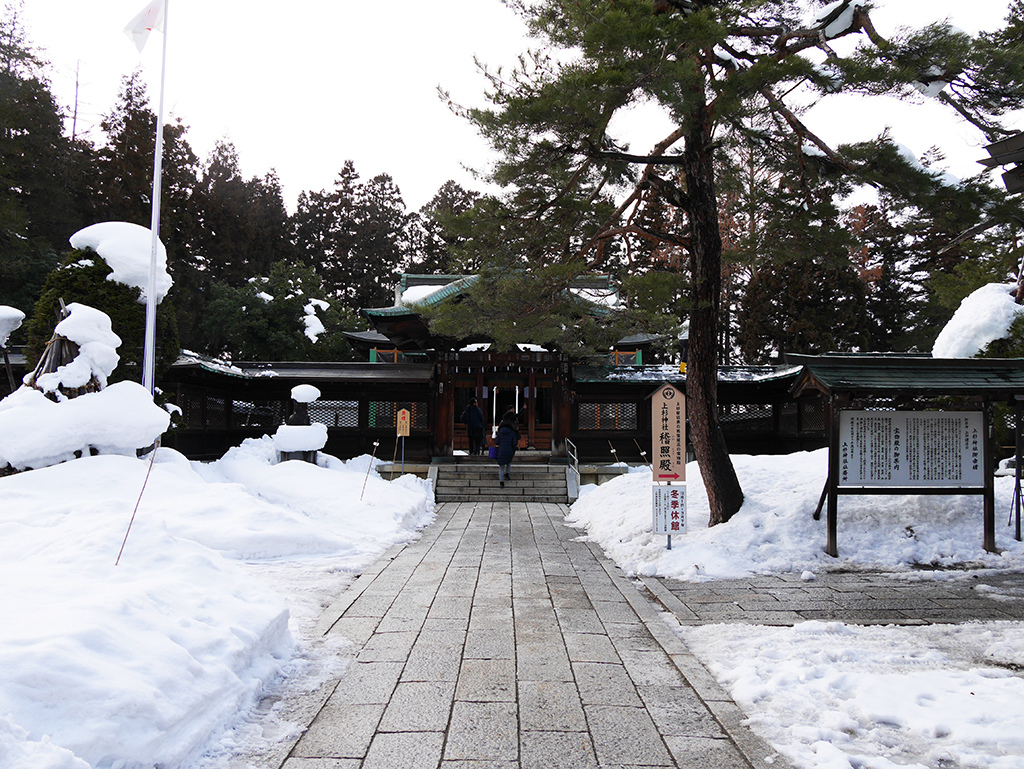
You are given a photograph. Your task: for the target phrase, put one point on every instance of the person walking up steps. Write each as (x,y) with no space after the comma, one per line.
(507,439)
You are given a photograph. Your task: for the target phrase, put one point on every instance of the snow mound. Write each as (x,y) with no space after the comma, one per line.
(36,432)
(127,249)
(983,317)
(10,321)
(775,531)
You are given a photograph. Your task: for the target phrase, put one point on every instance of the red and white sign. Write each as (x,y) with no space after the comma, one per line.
(670,509)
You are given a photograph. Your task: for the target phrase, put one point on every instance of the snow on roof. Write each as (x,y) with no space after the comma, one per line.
(416,294)
(669,372)
(126,248)
(10,321)
(983,317)
(211,364)
(606,297)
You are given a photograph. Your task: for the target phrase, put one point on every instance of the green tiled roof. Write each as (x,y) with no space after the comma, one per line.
(909,375)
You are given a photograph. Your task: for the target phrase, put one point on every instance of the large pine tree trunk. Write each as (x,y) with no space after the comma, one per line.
(724,493)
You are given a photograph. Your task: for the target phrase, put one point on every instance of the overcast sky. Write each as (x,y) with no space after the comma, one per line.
(303,85)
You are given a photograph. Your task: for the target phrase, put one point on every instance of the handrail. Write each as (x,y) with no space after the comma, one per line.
(574,459)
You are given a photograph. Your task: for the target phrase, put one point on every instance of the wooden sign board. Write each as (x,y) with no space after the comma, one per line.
(668,435)
(907,449)
(403,421)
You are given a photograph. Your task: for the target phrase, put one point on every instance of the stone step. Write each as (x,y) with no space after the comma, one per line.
(492,483)
(555,499)
(476,482)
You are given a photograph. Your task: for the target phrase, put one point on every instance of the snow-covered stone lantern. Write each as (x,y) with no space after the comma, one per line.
(297,438)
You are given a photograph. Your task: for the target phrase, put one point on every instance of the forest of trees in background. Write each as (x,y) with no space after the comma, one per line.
(800,272)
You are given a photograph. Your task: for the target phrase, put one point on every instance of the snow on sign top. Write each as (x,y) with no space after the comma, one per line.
(984,316)
(126,248)
(10,321)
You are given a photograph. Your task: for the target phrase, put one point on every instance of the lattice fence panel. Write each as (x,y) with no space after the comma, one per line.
(607,416)
(335,413)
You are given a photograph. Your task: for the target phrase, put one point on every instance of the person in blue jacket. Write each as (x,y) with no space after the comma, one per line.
(473,418)
(507,439)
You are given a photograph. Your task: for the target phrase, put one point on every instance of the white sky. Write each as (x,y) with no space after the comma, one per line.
(303,86)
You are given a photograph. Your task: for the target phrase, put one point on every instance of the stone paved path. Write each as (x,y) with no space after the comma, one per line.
(864,598)
(499,639)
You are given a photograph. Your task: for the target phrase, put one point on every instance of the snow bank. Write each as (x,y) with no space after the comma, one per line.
(127,249)
(10,321)
(984,316)
(832,695)
(152,661)
(774,532)
(36,432)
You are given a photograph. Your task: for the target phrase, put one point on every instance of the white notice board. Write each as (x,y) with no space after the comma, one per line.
(670,509)
(938,449)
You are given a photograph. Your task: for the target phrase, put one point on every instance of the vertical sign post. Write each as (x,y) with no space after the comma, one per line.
(668,461)
(402,422)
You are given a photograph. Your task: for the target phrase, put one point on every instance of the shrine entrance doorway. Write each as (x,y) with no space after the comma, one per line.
(531,384)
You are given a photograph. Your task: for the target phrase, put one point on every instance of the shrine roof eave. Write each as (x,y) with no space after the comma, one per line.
(909,376)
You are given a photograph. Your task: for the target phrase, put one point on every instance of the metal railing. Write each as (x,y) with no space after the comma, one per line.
(574,462)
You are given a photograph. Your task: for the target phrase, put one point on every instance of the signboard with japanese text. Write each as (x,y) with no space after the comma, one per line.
(403,421)
(668,434)
(669,509)
(938,449)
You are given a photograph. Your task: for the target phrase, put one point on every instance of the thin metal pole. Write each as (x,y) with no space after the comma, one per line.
(1017,469)
(149,350)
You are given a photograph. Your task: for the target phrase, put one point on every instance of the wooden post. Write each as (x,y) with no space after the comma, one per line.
(832,515)
(988,462)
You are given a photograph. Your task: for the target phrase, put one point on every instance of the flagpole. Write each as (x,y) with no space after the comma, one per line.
(149,350)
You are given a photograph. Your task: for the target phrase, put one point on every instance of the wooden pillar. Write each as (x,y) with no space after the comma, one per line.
(988,468)
(832,515)
(444,410)
(561,408)
(531,407)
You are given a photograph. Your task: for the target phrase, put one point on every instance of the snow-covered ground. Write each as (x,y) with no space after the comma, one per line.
(160,657)
(825,694)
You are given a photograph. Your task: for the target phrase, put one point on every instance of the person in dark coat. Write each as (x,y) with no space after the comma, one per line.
(473,418)
(507,439)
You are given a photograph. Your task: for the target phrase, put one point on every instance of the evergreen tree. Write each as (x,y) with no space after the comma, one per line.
(37,212)
(709,66)
(357,236)
(82,277)
(436,236)
(266,318)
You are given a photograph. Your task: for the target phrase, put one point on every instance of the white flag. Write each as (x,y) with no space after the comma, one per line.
(151,17)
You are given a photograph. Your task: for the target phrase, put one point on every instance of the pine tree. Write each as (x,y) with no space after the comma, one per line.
(710,67)
(37,211)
